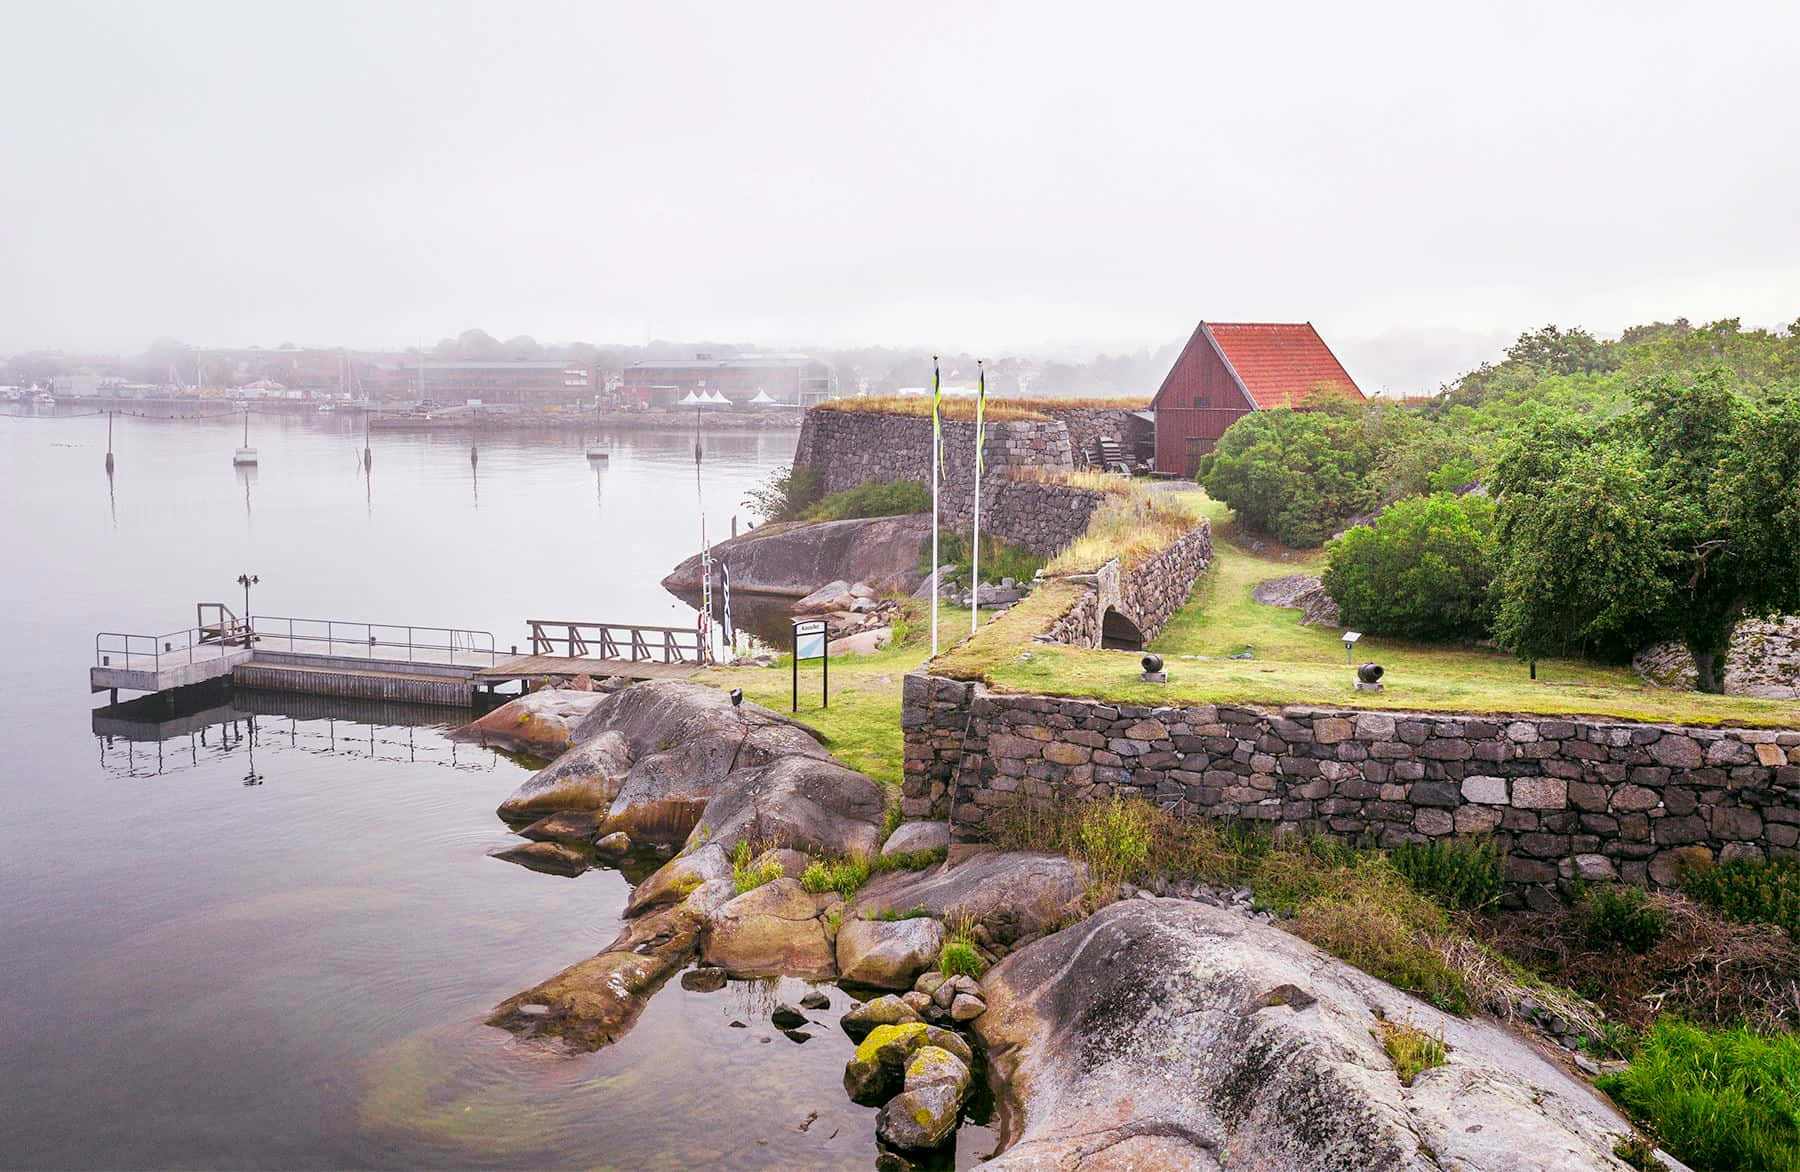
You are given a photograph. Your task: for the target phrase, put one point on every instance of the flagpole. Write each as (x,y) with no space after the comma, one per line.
(936,450)
(975,542)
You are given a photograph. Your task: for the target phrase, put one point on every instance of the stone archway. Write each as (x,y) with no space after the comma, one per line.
(1119,633)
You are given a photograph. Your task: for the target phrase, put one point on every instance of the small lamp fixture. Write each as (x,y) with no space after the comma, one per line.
(737,697)
(1350,638)
(1368,677)
(1153,670)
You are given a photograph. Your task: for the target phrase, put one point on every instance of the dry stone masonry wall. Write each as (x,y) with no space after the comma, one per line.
(848,448)
(1567,798)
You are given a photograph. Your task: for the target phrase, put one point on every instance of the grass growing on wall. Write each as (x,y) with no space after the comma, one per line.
(961,409)
(1134,526)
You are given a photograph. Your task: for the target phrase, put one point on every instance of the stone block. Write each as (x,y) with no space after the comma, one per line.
(1486,790)
(1329,730)
(1677,751)
(1540,793)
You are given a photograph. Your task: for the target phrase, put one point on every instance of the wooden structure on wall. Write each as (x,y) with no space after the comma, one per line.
(1229,369)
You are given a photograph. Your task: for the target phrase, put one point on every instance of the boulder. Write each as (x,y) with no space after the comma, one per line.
(1013,893)
(865,642)
(887,954)
(909,837)
(574,826)
(833,596)
(613,846)
(676,879)
(541,724)
(810,803)
(886,1009)
(552,858)
(919,1120)
(1147,1036)
(593,1003)
(773,930)
(584,777)
(794,559)
(1302,592)
(686,739)
(877,1071)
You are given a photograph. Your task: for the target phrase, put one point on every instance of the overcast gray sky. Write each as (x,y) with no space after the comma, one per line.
(1421,181)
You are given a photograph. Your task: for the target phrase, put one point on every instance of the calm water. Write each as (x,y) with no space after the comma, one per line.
(197,971)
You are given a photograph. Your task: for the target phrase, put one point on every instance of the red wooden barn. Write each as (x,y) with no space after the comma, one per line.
(1229,369)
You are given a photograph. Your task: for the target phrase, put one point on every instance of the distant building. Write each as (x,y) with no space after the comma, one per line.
(791,380)
(457,383)
(1229,369)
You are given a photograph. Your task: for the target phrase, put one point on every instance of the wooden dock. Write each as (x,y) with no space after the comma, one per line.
(383,662)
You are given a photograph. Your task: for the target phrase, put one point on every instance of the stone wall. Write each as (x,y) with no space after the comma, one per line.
(1149,595)
(1086,424)
(848,448)
(1566,798)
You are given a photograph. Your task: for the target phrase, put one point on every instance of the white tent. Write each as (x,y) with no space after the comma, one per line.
(689,400)
(716,397)
(762,399)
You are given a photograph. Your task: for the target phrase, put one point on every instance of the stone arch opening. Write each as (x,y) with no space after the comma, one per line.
(1119,633)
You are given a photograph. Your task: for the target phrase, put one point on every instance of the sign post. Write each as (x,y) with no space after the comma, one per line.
(809,643)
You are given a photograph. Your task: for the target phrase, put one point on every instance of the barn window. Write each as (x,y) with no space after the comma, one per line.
(1119,633)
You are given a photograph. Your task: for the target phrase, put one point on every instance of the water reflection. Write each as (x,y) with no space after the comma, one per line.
(134,735)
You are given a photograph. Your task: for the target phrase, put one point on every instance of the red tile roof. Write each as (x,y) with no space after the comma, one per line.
(1280,363)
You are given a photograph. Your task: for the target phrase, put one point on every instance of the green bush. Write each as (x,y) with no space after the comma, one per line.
(1716,1099)
(1421,570)
(1750,891)
(1459,873)
(1622,917)
(1297,475)
(888,499)
(1114,838)
(785,495)
(998,559)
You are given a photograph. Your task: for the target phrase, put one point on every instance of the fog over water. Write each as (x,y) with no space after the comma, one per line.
(1421,181)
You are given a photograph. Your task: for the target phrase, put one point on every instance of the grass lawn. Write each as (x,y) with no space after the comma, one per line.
(1293,664)
(861,725)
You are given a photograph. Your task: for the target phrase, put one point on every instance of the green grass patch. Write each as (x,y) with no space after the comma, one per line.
(1293,664)
(959,956)
(1412,1050)
(845,875)
(1715,1098)
(861,723)
(870,499)
(1750,891)
(747,873)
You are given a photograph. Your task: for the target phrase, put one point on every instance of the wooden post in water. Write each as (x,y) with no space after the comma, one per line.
(109,454)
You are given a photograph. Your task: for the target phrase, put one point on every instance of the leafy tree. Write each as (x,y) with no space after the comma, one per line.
(1296,475)
(1674,521)
(1421,570)
(1559,351)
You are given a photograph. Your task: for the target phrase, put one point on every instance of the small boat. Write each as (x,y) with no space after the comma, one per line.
(246,455)
(326,409)
(44,398)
